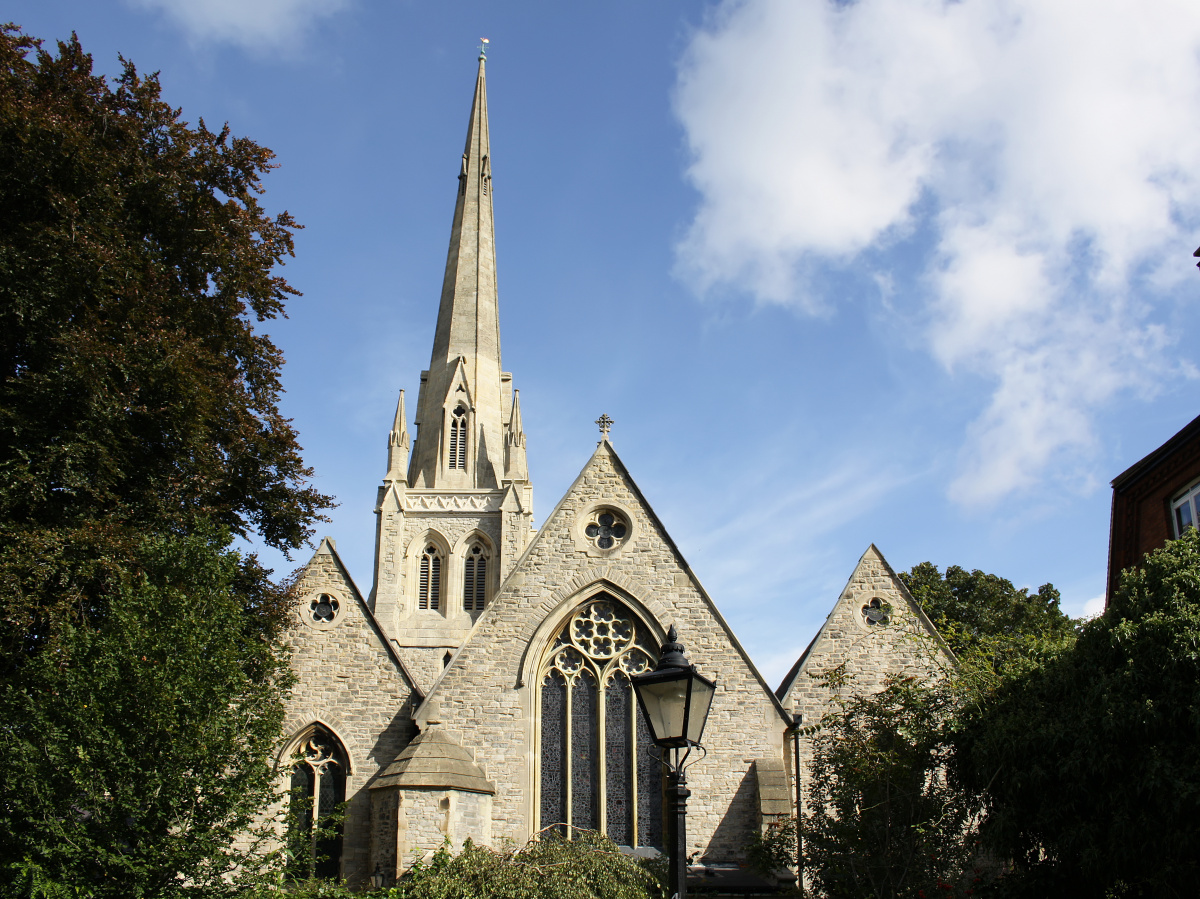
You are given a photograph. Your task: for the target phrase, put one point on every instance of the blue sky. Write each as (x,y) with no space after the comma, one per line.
(894,271)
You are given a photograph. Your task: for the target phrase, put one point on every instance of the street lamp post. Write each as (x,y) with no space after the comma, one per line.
(675,699)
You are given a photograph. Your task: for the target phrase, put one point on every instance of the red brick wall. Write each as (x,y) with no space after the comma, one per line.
(1141,512)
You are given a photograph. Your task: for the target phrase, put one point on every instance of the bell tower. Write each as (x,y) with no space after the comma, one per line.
(454,517)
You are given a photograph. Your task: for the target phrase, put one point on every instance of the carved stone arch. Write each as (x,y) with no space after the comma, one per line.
(301,733)
(461,544)
(318,775)
(592,763)
(538,634)
(413,560)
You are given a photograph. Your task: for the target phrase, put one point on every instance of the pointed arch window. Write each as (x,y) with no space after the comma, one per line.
(475,579)
(429,579)
(598,767)
(457,456)
(318,790)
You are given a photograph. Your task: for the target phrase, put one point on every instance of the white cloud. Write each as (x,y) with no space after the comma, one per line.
(275,24)
(1048,145)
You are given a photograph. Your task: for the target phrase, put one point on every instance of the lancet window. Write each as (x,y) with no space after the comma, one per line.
(429,579)
(475,579)
(598,766)
(318,789)
(457,456)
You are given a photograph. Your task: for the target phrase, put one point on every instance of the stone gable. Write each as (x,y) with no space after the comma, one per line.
(488,693)
(905,641)
(349,680)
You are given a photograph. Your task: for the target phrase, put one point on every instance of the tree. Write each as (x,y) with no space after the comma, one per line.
(138,753)
(1091,762)
(985,617)
(140,670)
(135,392)
(882,819)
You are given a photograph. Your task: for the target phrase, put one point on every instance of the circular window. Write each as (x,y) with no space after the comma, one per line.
(322,609)
(606,529)
(877,612)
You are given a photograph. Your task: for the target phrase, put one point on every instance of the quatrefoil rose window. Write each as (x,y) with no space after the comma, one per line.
(606,529)
(321,610)
(877,612)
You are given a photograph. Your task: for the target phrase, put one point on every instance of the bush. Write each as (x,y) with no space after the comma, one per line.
(589,866)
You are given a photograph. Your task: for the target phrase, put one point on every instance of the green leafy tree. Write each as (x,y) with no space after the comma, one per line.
(135,392)
(139,752)
(881,817)
(140,675)
(1091,762)
(986,620)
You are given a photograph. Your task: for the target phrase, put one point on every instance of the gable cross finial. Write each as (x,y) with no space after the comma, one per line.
(605,424)
(483,47)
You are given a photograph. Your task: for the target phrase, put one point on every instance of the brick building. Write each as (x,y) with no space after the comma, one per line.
(1154,500)
(481,688)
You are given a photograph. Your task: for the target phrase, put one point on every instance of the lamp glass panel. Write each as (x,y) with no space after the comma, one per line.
(701,701)
(665,703)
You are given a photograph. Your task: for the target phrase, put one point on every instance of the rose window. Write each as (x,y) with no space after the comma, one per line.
(606,528)
(323,608)
(877,612)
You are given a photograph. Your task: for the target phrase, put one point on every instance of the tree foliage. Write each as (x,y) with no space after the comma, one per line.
(881,817)
(1091,762)
(135,392)
(140,674)
(588,866)
(986,618)
(137,754)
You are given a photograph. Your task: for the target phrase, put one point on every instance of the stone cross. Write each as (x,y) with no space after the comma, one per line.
(605,424)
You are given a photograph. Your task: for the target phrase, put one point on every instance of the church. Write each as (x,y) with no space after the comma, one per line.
(481,688)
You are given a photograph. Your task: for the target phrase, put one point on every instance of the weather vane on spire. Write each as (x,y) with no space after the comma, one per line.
(483,47)
(605,424)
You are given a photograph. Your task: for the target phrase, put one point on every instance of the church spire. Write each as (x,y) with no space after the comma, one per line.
(461,397)
(468,318)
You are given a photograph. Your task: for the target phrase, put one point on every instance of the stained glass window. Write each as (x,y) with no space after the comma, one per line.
(598,766)
(606,528)
(318,789)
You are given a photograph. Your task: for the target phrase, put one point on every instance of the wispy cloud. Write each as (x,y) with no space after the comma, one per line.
(252,24)
(1049,146)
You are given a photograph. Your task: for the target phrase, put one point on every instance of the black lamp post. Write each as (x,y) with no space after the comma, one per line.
(675,699)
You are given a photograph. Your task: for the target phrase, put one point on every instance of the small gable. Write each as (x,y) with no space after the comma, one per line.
(875,629)
(347,673)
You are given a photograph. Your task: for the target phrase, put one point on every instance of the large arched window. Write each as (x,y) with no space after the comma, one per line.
(456,458)
(475,578)
(429,578)
(598,767)
(318,790)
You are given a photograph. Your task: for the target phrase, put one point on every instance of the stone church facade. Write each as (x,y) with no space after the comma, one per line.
(481,689)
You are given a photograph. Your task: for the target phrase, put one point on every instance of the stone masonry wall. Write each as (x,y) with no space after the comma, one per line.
(487,706)
(905,644)
(347,681)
